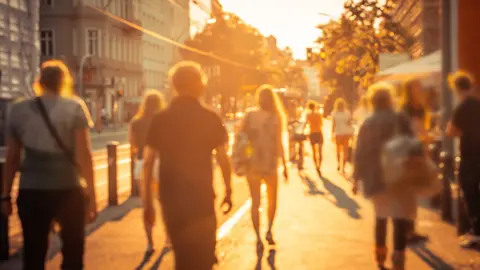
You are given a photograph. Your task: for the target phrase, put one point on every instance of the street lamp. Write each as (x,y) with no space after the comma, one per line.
(80,73)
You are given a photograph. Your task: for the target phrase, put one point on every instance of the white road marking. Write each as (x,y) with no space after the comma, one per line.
(228,225)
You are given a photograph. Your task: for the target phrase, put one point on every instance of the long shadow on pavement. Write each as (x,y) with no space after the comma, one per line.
(342,199)
(109,214)
(430,258)
(160,258)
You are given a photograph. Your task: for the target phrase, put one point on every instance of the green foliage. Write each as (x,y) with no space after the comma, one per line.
(229,37)
(352,45)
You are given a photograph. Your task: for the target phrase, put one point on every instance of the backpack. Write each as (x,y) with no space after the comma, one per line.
(254,147)
(407,166)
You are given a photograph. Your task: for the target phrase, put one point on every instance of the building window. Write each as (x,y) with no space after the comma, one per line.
(46,42)
(93,41)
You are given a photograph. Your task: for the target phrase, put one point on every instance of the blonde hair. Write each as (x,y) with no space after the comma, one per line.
(339,102)
(152,102)
(51,71)
(187,77)
(268,100)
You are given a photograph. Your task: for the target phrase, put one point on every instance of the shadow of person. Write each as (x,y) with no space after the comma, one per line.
(160,258)
(430,258)
(271,258)
(260,250)
(342,200)
(312,186)
(146,258)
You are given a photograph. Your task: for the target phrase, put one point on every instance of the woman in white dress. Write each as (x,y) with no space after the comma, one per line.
(342,132)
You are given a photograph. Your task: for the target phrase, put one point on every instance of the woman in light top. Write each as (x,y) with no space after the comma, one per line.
(342,132)
(152,103)
(264,127)
(362,112)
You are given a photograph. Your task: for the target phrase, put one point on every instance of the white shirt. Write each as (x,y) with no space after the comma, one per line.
(342,123)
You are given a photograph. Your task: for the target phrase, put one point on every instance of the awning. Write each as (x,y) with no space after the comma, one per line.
(422,67)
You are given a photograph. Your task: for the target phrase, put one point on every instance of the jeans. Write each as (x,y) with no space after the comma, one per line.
(470,185)
(37,210)
(400,230)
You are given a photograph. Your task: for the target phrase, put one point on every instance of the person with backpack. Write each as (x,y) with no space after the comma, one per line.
(414,106)
(396,204)
(152,103)
(265,127)
(56,172)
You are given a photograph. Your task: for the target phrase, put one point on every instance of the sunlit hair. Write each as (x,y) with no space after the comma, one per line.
(269,101)
(312,105)
(339,104)
(152,102)
(188,78)
(380,96)
(461,81)
(407,91)
(54,77)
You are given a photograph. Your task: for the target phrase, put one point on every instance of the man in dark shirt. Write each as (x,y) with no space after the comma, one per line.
(184,136)
(465,124)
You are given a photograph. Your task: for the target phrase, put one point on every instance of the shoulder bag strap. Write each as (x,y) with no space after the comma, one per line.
(53,131)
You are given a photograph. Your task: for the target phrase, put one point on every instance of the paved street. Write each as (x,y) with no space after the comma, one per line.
(320,225)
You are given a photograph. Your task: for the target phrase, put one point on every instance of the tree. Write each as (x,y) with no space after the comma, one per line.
(236,47)
(351,46)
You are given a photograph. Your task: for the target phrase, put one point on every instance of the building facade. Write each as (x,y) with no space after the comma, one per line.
(156,15)
(200,12)
(19,46)
(421,18)
(104,55)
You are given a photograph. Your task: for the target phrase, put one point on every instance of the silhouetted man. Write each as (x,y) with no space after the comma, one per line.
(184,137)
(465,125)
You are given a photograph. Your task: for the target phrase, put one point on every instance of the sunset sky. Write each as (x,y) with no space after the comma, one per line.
(292,22)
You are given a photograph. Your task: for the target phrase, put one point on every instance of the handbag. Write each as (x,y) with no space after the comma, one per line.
(407,166)
(138,167)
(241,150)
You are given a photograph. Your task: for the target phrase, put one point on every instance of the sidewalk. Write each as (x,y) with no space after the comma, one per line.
(320,225)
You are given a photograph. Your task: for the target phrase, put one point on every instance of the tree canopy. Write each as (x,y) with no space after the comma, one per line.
(350,46)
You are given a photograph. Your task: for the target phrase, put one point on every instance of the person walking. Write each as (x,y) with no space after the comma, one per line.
(342,132)
(464,124)
(265,127)
(414,106)
(314,121)
(184,136)
(400,206)
(362,111)
(56,172)
(152,103)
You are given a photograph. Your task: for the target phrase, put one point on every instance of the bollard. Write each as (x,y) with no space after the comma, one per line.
(463,222)
(112,174)
(4,241)
(434,151)
(133,182)
(446,174)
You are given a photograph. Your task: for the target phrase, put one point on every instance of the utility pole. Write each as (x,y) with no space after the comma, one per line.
(447,147)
